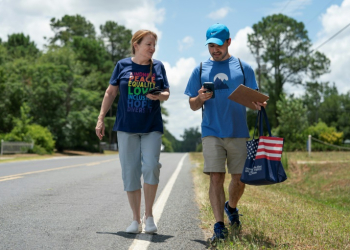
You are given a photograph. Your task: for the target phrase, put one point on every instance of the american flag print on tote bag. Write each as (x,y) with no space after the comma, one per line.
(269,148)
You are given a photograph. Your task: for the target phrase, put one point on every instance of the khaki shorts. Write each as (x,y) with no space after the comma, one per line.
(216,150)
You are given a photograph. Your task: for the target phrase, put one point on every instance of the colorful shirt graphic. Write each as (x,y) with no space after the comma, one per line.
(138,86)
(136,113)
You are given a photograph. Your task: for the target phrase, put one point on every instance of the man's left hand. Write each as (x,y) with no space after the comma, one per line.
(258,105)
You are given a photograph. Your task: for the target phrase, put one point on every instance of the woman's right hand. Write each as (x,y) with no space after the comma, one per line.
(100,129)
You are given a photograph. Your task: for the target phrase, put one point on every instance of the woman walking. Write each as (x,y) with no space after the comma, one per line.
(138,124)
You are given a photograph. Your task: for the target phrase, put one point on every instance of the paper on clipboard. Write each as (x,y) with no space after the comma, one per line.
(245,96)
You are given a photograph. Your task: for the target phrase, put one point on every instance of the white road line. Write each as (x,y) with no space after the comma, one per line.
(142,240)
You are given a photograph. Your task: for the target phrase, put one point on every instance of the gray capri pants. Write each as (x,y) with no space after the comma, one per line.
(139,155)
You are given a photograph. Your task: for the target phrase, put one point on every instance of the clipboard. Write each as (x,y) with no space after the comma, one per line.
(245,96)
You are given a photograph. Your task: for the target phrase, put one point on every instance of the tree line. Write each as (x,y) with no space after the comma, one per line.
(53,96)
(61,87)
(282,45)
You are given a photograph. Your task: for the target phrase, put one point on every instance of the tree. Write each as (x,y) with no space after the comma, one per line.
(312,99)
(293,122)
(335,109)
(117,40)
(175,144)
(283,45)
(55,77)
(323,102)
(191,138)
(15,83)
(20,130)
(3,54)
(91,53)
(167,144)
(70,26)
(344,116)
(330,108)
(18,45)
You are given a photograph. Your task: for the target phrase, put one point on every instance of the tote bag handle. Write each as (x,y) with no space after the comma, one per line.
(260,119)
(261,130)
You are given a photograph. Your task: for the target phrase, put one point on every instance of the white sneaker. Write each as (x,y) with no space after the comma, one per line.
(150,226)
(134,228)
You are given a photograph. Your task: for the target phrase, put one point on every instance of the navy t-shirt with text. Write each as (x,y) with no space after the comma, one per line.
(136,113)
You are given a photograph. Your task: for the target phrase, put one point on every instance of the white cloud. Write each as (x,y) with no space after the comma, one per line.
(180,114)
(337,49)
(239,47)
(186,43)
(32,17)
(220,13)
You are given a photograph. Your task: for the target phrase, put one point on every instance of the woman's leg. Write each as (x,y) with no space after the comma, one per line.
(150,194)
(130,159)
(150,150)
(135,204)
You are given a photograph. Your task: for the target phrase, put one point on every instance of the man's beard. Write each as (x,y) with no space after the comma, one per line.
(222,56)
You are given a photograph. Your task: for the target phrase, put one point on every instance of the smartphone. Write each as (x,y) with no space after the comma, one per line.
(210,88)
(154,91)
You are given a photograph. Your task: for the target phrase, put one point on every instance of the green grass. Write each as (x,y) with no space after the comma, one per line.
(110,152)
(326,183)
(12,158)
(25,157)
(311,210)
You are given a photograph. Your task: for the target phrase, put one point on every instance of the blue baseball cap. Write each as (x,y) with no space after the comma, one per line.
(217,33)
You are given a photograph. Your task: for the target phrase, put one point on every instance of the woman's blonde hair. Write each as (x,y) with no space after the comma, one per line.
(137,38)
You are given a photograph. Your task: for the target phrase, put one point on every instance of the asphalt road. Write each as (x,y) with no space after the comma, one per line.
(79,203)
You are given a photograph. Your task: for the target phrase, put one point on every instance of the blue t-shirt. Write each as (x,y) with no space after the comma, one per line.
(222,117)
(136,113)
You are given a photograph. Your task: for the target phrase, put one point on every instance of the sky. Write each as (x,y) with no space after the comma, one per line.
(181,27)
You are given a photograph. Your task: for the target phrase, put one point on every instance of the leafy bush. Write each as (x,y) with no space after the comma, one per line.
(38,150)
(292,119)
(42,138)
(167,145)
(326,134)
(332,137)
(26,132)
(199,147)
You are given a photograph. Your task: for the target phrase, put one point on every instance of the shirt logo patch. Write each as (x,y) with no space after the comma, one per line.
(221,81)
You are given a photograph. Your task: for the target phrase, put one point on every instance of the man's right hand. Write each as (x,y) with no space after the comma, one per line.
(198,101)
(100,129)
(204,96)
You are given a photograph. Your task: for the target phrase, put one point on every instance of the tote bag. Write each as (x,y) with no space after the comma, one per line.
(263,165)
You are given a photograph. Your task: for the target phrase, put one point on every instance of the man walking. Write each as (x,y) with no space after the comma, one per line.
(224,124)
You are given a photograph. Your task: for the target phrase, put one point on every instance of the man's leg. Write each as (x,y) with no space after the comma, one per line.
(235,190)
(217,195)
(236,156)
(214,164)
(217,201)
